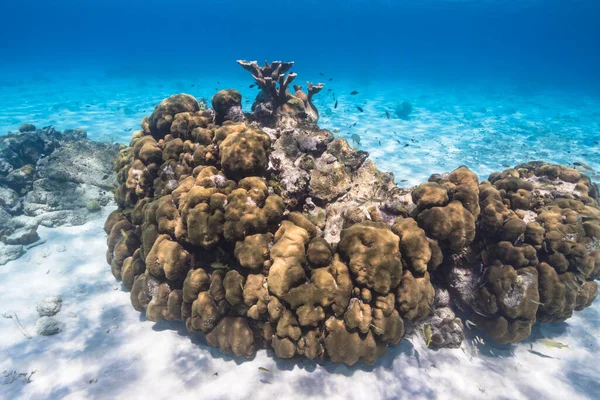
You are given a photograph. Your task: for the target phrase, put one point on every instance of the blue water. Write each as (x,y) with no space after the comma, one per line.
(491,82)
(550,41)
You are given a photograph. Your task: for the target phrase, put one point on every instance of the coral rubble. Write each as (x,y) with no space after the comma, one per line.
(262,230)
(50,178)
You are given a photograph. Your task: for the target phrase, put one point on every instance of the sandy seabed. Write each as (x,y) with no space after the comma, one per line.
(108,350)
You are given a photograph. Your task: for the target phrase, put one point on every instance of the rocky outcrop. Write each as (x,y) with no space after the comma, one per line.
(50,178)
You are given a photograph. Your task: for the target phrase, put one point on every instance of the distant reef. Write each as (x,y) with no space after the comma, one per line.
(262,230)
(50,178)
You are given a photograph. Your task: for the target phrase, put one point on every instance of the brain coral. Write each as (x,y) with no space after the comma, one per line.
(224,223)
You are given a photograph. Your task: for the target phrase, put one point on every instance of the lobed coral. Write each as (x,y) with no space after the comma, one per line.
(260,234)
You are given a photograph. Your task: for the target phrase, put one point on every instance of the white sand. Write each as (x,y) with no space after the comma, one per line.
(107,350)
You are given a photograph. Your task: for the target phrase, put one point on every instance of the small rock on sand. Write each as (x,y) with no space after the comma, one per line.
(9,252)
(49,306)
(47,326)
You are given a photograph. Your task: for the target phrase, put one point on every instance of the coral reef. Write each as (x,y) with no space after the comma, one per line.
(537,239)
(50,178)
(261,233)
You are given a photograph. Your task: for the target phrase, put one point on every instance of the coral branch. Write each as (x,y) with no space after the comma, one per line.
(313,89)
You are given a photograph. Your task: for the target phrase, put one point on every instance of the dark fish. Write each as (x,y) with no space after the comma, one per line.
(320,73)
(380,142)
(387,114)
(335,105)
(193,84)
(329,90)
(330,79)
(218,83)
(353,92)
(354,124)
(217,89)
(537,353)
(216,374)
(360,109)
(251,86)
(406,145)
(87,106)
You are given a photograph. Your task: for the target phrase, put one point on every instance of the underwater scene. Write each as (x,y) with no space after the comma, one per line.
(300,199)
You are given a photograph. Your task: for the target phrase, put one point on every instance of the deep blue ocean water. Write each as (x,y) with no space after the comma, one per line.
(546,42)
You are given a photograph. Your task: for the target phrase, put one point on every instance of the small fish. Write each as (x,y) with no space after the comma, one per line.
(406,145)
(355,138)
(387,114)
(124,234)
(216,374)
(218,83)
(193,84)
(354,124)
(536,302)
(251,86)
(328,90)
(469,323)
(549,343)
(330,79)
(537,353)
(427,333)
(322,74)
(354,92)
(335,105)
(218,265)
(379,142)
(263,369)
